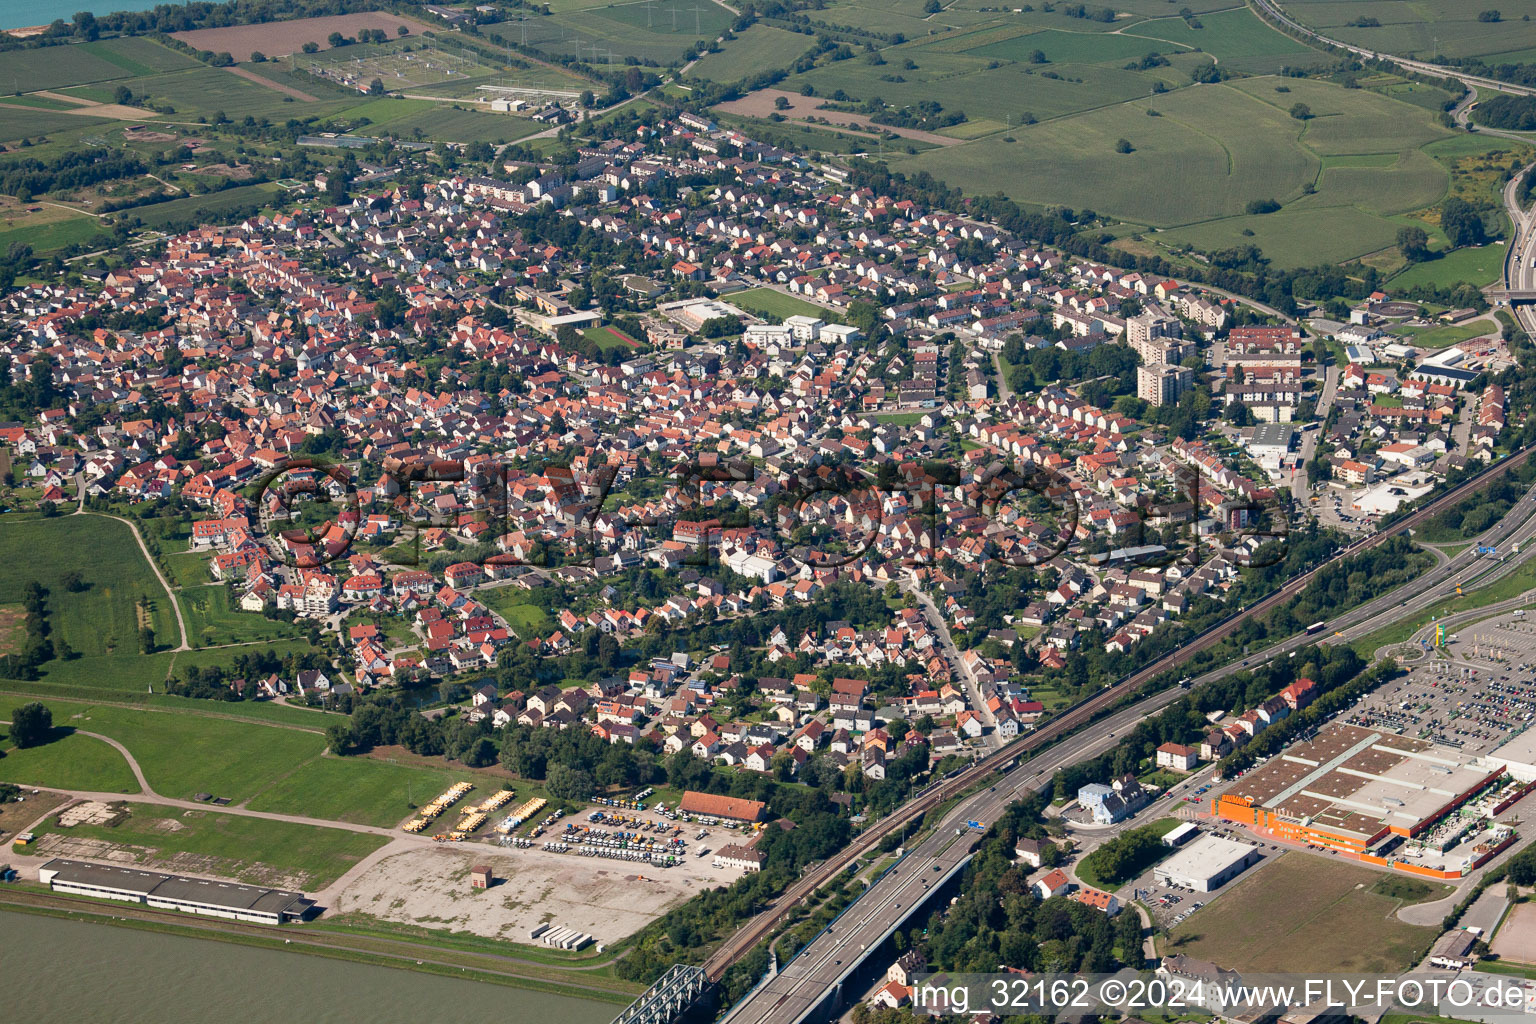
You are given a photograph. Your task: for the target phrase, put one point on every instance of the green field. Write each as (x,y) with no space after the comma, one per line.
(1230,35)
(775,305)
(356,789)
(519,607)
(185,754)
(212,619)
(102,618)
(54,66)
(758,49)
(1424,28)
(1072,47)
(214,207)
(72,761)
(661,31)
(254,850)
(430,120)
(29,124)
(1303,913)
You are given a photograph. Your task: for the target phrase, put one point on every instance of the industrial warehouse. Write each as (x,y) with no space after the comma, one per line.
(1208,864)
(175,892)
(1389,799)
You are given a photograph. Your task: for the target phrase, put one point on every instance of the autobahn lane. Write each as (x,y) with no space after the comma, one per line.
(1071,719)
(789,996)
(806,981)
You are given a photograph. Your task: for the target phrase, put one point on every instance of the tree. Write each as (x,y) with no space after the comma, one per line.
(1488,16)
(257,57)
(567,783)
(31,724)
(587,99)
(1414,242)
(338,737)
(336,39)
(1461,223)
(73,582)
(1301,112)
(781,103)
(147,640)
(402,31)
(376,87)
(1124,146)
(932,7)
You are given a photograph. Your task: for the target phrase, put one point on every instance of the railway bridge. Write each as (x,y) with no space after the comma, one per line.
(668,998)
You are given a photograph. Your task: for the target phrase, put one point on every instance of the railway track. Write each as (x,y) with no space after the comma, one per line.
(1078,715)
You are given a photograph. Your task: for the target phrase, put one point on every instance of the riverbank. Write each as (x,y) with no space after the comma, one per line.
(365,949)
(138,975)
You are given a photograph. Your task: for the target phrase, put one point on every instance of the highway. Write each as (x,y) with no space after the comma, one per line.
(803,982)
(1274,13)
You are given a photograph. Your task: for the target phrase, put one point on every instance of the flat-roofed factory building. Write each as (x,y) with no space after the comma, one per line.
(175,892)
(1207,864)
(1350,788)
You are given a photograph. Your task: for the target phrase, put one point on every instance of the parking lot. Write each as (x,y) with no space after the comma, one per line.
(1171,905)
(1475,694)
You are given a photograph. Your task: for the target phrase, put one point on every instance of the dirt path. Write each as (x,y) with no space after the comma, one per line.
(286,90)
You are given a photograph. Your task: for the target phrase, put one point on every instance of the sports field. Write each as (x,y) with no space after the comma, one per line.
(1303,913)
(775,305)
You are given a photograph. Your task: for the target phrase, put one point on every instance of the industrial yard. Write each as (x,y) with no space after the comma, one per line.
(605,899)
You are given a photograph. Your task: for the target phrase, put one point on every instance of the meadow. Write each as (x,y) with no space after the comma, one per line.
(360,790)
(103,617)
(1302,913)
(254,850)
(660,31)
(72,761)
(760,48)
(185,754)
(1425,28)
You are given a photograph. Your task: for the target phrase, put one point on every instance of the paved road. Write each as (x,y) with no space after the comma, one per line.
(832,956)
(952,655)
(1272,10)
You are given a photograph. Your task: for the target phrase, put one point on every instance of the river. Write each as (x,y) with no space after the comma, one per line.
(26,13)
(59,970)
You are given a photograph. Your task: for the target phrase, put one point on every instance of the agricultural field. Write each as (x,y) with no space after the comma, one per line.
(1236,36)
(1303,913)
(1223,146)
(1425,28)
(280,38)
(658,30)
(253,850)
(102,61)
(118,590)
(760,48)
